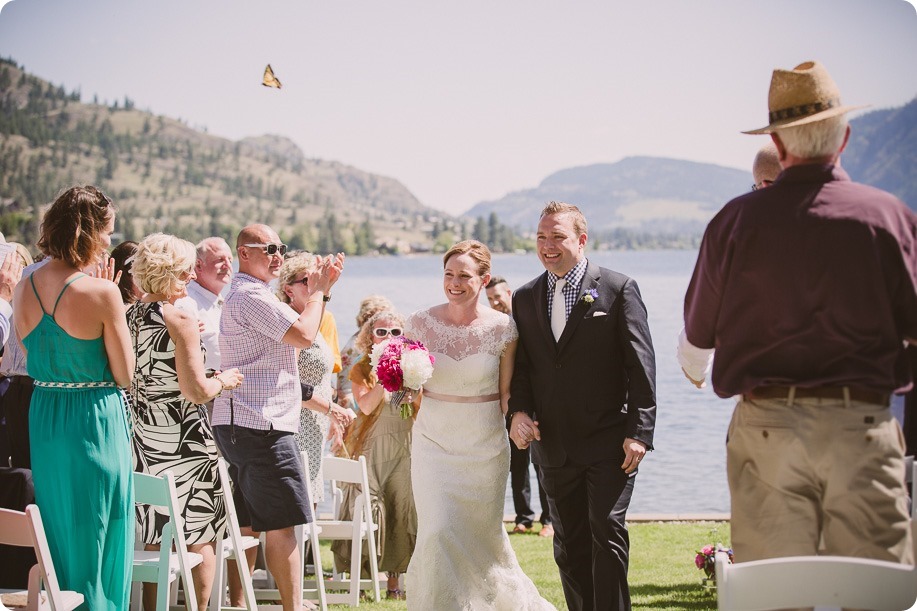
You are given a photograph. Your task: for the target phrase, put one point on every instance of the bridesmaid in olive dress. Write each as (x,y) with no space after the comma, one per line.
(79,354)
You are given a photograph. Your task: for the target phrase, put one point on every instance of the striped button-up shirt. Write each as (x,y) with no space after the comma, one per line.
(252,326)
(574,279)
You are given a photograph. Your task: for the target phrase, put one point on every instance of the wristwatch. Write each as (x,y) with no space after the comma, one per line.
(326,298)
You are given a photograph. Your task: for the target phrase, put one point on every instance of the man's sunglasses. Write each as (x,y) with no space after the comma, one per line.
(270,249)
(382,331)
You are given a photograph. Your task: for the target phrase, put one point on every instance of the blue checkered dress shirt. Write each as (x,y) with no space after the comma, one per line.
(252,326)
(574,279)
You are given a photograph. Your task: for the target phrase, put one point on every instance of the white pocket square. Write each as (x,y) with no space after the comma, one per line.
(597,313)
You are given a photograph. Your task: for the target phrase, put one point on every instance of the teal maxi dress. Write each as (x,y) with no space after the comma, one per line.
(81,462)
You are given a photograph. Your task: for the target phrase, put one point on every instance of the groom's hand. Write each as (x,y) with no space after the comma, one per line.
(634,451)
(523,430)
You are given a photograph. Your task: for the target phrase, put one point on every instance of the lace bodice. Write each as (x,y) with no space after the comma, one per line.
(489,335)
(468,356)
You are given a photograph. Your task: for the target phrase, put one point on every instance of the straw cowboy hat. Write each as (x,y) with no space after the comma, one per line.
(805,94)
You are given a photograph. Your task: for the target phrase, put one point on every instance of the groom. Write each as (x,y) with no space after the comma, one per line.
(584,396)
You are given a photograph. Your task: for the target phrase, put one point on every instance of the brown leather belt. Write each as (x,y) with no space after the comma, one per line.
(820,392)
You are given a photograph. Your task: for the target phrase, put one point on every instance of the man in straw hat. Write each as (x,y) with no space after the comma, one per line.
(807,290)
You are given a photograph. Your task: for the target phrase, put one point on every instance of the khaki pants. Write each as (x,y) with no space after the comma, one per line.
(817,477)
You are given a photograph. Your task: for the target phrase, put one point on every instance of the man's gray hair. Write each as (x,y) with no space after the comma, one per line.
(205,246)
(818,139)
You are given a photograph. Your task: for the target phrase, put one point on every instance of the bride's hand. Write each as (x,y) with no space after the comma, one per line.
(523,430)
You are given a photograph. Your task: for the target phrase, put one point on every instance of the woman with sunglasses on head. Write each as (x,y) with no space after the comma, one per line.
(321,419)
(381,435)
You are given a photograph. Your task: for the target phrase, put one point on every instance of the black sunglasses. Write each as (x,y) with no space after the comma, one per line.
(382,331)
(270,249)
(304,281)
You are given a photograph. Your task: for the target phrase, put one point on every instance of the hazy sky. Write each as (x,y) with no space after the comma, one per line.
(467,100)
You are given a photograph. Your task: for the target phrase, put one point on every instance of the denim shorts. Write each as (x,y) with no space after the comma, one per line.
(270,488)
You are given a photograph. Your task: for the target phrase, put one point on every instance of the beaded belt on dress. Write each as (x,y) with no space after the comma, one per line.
(461,399)
(75,384)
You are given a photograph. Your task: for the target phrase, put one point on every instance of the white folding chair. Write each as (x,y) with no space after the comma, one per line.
(165,566)
(27,530)
(810,581)
(232,547)
(358,530)
(311,532)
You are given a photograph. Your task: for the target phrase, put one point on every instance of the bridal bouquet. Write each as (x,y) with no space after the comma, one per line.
(402,365)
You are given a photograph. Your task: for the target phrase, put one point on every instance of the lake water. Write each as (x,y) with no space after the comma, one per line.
(687,471)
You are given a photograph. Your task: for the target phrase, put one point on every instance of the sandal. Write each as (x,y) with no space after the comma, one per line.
(396,594)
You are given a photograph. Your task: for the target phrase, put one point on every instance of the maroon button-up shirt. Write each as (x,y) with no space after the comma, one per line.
(809,282)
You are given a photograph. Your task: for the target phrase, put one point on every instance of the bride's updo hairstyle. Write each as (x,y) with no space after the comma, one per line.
(71,229)
(474,249)
(163,264)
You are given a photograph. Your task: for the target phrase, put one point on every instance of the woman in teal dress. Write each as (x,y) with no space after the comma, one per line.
(79,354)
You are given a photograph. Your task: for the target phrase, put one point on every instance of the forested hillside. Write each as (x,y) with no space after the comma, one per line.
(167,176)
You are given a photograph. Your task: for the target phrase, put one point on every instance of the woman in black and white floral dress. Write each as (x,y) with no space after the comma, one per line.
(171,429)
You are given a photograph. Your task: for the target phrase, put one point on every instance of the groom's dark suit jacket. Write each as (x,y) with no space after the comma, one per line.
(597,384)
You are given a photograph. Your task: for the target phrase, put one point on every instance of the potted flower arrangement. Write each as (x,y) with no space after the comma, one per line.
(705,559)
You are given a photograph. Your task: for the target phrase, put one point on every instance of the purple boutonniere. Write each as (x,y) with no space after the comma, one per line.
(590,295)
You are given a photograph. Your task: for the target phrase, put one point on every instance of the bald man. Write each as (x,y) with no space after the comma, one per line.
(254,425)
(766,167)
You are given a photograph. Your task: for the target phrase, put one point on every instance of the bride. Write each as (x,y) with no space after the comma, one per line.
(460,454)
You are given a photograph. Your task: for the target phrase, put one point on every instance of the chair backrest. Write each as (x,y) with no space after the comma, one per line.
(231,512)
(160,492)
(809,581)
(345,469)
(26,529)
(15,528)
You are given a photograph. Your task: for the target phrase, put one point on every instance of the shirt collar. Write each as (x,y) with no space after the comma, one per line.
(574,277)
(241,278)
(812,172)
(204,294)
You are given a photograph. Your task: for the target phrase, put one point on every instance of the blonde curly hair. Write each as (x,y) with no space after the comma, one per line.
(364,341)
(293,266)
(163,264)
(371,305)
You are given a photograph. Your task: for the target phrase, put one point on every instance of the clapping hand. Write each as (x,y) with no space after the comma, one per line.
(106,271)
(523,430)
(332,266)
(10,274)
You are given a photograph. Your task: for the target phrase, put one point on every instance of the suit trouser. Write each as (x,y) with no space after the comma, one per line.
(591,545)
(15,404)
(520,483)
(817,476)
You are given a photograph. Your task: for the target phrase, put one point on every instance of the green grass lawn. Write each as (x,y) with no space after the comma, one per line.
(662,571)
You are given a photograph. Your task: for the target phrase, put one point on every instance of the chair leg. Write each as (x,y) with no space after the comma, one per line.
(218,593)
(319,575)
(373,563)
(356,561)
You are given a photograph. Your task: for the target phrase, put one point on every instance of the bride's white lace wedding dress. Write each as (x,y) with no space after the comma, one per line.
(459,465)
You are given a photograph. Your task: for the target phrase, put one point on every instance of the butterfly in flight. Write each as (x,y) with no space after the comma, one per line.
(269,79)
